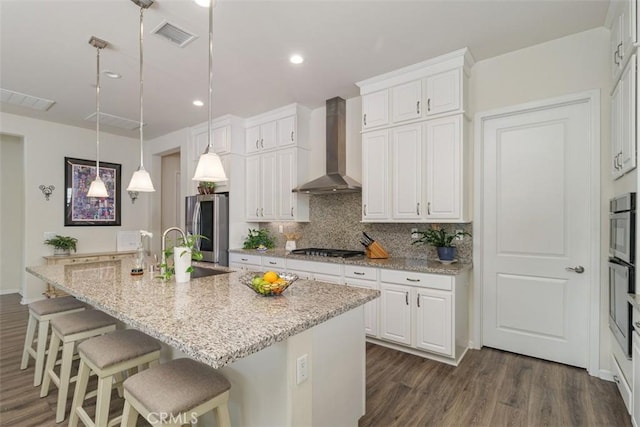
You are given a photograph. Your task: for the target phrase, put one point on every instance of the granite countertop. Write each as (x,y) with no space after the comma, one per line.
(391,263)
(214,319)
(634,300)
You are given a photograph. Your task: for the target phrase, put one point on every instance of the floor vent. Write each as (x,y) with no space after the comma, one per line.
(24,100)
(174,34)
(114,121)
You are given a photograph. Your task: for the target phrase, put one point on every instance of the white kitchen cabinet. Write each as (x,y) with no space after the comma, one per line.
(406,172)
(286,130)
(406,101)
(252,188)
(221,139)
(260,182)
(623,36)
(311,270)
(395,313)
(292,164)
(243,261)
(443,168)
(444,92)
(365,277)
(261,137)
(375,176)
(635,386)
(375,109)
(623,122)
(433,320)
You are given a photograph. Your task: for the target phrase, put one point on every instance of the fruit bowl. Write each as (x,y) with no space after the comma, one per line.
(269,283)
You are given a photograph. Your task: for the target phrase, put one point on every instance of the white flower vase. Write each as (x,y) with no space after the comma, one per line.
(182,261)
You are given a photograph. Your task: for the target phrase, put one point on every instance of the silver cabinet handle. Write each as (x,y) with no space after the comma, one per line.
(261,211)
(256,211)
(364,210)
(418,107)
(364,119)
(272,262)
(261,142)
(291,136)
(358,273)
(428,104)
(616,379)
(429,208)
(412,280)
(638,325)
(292,211)
(615,57)
(621,54)
(579,269)
(244,259)
(406,298)
(257,144)
(418,300)
(418,208)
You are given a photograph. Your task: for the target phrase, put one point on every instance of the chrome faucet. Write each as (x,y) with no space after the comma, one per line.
(163,269)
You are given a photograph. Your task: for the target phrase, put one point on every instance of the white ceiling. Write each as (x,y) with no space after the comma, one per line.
(44,50)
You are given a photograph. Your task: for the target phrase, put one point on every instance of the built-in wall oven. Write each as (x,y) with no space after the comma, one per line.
(622,218)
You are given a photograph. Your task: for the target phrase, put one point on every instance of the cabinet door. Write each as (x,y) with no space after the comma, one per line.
(443,167)
(252,140)
(226,165)
(395,313)
(627,121)
(635,383)
(268,135)
(434,321)
(252,187)
(286,173)
(370,308)
(615,48)
(200,142)
(268,189)
(375,176)
(375,109)
(628,27)
(616,130)
(329,278)
(221,140)
(286,131)
(406,171)
(443,92)
(406,101)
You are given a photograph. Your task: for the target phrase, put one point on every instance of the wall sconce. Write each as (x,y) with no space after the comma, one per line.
(133,195)
(47,190)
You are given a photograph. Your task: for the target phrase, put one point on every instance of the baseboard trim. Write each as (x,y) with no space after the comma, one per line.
(28,301)
(9,291)
(606,375)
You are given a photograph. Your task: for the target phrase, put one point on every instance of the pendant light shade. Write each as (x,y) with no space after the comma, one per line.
(209,165)
(97,187)
(141,180)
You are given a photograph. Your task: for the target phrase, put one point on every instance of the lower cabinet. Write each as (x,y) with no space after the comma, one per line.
(395,313)
(245,261)
(311,270)
(635,386)
(434,312)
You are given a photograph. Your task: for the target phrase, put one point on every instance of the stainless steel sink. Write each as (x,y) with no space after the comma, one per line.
(205,272)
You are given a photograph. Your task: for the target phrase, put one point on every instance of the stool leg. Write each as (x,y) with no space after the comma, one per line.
(28,341)
(54,345)
(103,399)
(65,377)
(79,393)
(43,331)
(129,415)
(222,413)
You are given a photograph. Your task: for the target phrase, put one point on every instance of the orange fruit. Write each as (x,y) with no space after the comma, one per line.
(270,276)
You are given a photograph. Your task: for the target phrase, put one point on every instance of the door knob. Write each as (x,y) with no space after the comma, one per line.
(579,269)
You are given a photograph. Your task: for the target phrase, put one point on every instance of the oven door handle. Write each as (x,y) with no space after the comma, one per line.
(579,269)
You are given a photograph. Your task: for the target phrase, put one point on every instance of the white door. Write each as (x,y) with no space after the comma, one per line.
(375,175)
(443,92)
(433,321)
(406,101)
(286,172)
(287,131)
(268,135)
(536,207)
(252,187)
(375,109)
(406,172)
(395,313)
(268,188)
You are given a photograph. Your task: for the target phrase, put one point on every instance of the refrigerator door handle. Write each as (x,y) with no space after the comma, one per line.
(216,231)
(196,222)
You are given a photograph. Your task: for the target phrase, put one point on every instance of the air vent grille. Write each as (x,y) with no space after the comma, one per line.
(174,34)
(114,121)
(24,100)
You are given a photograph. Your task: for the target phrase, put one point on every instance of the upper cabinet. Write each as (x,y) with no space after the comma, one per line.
(415,154)
(624,34)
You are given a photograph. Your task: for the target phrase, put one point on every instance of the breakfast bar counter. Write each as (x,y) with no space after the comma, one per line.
(259,340)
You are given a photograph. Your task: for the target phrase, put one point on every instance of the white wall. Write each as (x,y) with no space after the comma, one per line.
(567,65)
(45,146)
(11,213)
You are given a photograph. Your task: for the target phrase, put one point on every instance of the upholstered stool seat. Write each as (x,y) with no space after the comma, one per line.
(68,330)
(175,393)
(40,314)
(108,356)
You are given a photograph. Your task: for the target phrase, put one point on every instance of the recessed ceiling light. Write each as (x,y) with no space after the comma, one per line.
(111,74)
(198,103)
(296,59)
(203,3)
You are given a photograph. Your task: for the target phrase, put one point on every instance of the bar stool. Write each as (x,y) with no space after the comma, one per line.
(107,356)
(40,314)
(69,329)
(176,393)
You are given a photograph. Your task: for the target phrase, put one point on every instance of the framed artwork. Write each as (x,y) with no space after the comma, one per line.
(92,211)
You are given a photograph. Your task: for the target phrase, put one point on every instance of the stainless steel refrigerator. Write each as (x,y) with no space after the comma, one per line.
(208,215)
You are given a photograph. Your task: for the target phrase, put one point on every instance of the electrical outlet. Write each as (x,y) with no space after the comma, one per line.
(459,237)
(280,228)
(414,233)
(49,235)
(302,369)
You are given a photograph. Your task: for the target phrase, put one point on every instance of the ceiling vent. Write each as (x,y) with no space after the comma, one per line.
(174,34)
(24,100)
(114,121)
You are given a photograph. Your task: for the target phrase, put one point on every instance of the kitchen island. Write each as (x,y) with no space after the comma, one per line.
(258,342)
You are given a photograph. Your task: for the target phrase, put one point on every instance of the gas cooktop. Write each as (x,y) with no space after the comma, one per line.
(338,253)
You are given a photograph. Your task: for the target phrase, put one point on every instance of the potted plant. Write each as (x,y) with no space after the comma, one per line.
(183,253)
(441,240)
(258,239)
(206,187)
(62,245)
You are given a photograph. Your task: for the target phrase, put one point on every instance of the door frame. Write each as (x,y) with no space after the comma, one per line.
(592,98)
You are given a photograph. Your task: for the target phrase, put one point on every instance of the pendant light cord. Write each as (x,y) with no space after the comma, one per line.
(98,114)
(211,6)
(141,90)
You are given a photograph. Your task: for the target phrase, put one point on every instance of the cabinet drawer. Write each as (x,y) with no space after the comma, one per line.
(621,382)
(411,278)
(273,262)
(358,272)
(315,267)
(245,259)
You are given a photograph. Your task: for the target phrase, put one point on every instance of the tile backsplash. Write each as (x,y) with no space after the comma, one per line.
(334,222)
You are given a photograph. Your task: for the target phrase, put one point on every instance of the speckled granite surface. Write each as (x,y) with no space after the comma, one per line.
(393,263)
(214,319)
(634,300)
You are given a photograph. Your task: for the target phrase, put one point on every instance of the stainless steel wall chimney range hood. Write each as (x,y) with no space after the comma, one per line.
(335,180)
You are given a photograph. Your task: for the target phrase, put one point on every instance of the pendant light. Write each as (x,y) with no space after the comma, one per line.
(209,165)
(141,180)
(97,187)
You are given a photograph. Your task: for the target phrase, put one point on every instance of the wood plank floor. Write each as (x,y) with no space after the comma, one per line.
(489,388)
